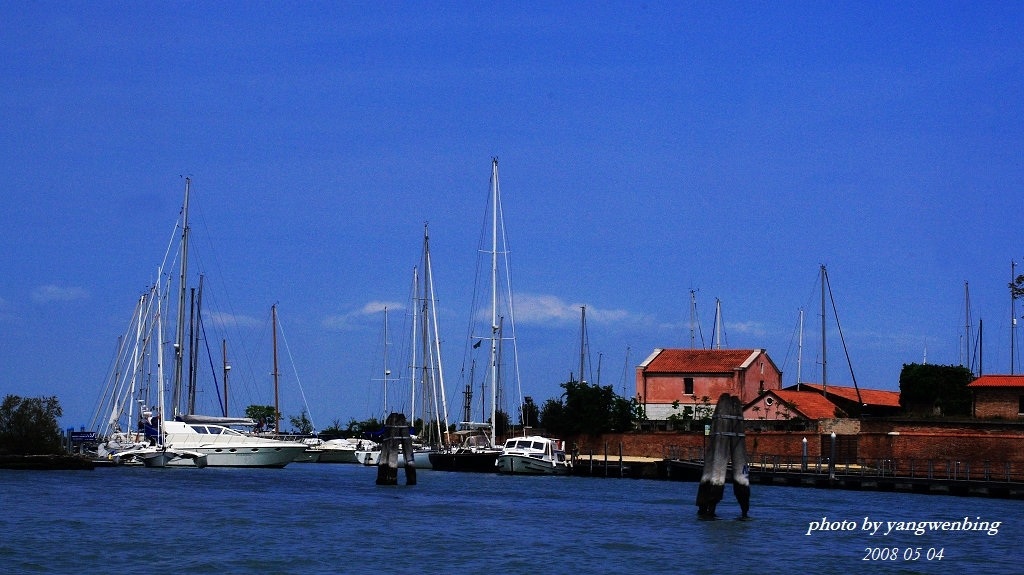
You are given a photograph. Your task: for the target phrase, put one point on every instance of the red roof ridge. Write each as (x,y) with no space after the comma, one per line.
(998,381)
(885,397)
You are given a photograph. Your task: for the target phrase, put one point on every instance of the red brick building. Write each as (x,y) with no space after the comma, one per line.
(688,382)
(998,396)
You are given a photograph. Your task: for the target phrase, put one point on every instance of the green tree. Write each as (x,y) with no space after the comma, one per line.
(301,423)
(530,416)
(28,426)
(358,428)
(265,416)
(552,417)
(941,388)
(502,422)
(590,410)
(333,430)
(1017,287)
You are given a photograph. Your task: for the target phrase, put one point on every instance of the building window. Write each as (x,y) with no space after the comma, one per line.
(688,385)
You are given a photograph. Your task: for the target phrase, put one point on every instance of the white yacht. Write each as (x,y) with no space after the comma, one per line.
(213,445)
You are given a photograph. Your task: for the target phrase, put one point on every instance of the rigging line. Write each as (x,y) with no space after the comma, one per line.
(792,339)
(842,339)
(475,299)
(506,255)
(511,314)
(625,371)
(475,305)
(113,386)
(230,327)
(213,370)
(288,350)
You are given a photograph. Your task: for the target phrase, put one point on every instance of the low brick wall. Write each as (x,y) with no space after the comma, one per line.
(968,441)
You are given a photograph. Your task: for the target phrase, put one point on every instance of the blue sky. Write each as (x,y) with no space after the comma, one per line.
(645,151)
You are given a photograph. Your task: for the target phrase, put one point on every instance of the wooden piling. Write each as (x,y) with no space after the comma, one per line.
(396,441)
(727,442)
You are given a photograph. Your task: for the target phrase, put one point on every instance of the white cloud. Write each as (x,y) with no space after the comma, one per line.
(747,327)
(540,308)
(230,320)
(376,307)
(352,319)
(49,293)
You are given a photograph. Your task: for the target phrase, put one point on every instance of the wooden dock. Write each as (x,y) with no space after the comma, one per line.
(621,466)
(944,480)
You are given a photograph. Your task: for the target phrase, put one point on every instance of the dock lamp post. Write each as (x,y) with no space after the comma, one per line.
(803,460)
(832,459)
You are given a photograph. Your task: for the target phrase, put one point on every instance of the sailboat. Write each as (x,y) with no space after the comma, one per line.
(186,439)
(428,375)
(475,447)
(369,451)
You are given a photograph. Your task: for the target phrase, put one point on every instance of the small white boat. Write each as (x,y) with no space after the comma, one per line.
(312,451)
(533,455)
(367,452)
(339,451)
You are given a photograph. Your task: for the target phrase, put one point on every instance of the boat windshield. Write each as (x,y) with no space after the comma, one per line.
(213,430)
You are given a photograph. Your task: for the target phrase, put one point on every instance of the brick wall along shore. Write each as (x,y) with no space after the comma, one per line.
(970,441)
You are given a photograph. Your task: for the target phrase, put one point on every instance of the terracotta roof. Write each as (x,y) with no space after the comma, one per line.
(867,396)
(998,381)
(810,404)
(699,360)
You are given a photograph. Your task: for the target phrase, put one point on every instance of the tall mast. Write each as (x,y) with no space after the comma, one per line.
(800,348)
(494,295)
(428,282)
(981,347)
(583,338)
(824,362)
(160,391)
(179,339)
(718,323)
(195,323)
(413,368)
(273,331)
(967,359)
(387,372)
(227,368)
(1013,318)
(693,315)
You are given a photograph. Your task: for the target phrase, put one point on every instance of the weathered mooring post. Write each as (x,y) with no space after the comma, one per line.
(396,440)
(727,442)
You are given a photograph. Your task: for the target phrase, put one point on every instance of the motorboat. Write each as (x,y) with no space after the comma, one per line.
(213,445)
(533,455)
(340,450)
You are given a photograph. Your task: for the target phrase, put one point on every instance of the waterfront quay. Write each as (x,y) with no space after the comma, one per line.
(986,479)
(1005,480)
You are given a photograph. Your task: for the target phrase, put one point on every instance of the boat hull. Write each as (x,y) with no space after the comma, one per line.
(525,465)
(308,456)
(422,458)
(274,457)
(479,462)
(338,456)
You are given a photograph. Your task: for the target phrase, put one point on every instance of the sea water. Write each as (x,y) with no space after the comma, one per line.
(321,518)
